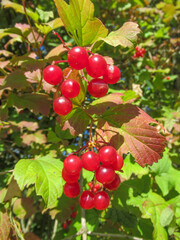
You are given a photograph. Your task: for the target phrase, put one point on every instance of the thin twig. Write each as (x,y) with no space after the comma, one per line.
(29,22)
(54,229)
(2,173)
(114,235)
(64,44)
(11,152)
(83,77)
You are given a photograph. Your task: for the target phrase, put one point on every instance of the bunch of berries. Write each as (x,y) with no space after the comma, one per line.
(139,52)
(79,59)
(104,164)
(70,219)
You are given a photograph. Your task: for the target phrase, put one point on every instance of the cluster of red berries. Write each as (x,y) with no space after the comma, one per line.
(96,67)
(139,52)
(70,219)
(104,164)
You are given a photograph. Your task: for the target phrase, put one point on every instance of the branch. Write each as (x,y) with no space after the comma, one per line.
(54,229)
(113,235)
(11,152)
(2,173)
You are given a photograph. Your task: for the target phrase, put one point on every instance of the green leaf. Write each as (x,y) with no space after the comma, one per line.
(19,8)
(52,137)
(166,216)
(44,15)
(78,18)
(15,80)
(168,181)
(129,95)
(152,208)
(45,173)
(130,167)
(163,164)
(48,27)
(63,134)
(124,36)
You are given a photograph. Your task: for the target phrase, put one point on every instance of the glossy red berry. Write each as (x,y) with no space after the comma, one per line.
(62,106)
(90,161)
(168,78)
(86,200)
(72,164)
(74,214)
(94,190)
(96,66)
(105,174)
(118,164)
(70,178)
(52,74)
(90,185)
(78,58)
(97,87)
(101,200)
(137,48)
(72,190)
(70,88)
(114,184)
(107,155)
(97,186)
(112,74)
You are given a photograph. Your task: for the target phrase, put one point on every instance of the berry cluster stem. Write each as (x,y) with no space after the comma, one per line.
(64,44)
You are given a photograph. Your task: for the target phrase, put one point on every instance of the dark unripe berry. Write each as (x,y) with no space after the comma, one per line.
(70,178)
(72,190)
(78,58)
(105,174)
(62,106)
(73,215)
(72,164)
(118,163)
(112,74)
(86,200)
(101,200)
(114,184)
(52,74)
(70,88)
(97,87)
(90,161)
(107,155)
(96,66)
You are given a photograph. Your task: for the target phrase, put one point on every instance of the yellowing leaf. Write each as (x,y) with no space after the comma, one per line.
(79,21)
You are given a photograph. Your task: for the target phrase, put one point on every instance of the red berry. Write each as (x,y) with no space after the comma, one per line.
(52,74)
(97,186)
(107,155)
(143,50)
(70,178)
(62,106)
(97,87)
(70,88)
(96,66)
(101,200)
(72,190)
(90,161)
(114,184)
(137,48)
(168,78)
(94,190)
(73,215)
(78,58)
(90,185)
(69,222)
(64,225)
(112,74)
(118,164)
(86,200)
(105,174)
(72,164)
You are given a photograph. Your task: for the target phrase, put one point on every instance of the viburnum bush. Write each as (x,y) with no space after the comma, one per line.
(73,138)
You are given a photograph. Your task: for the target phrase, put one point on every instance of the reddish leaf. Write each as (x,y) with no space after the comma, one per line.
(57,51)
(36,102)
(34,76)
(5,225)
(16,80)
(12,190)
(77,122)
(36,137)
(31,236)
(127,128)
(24,207)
